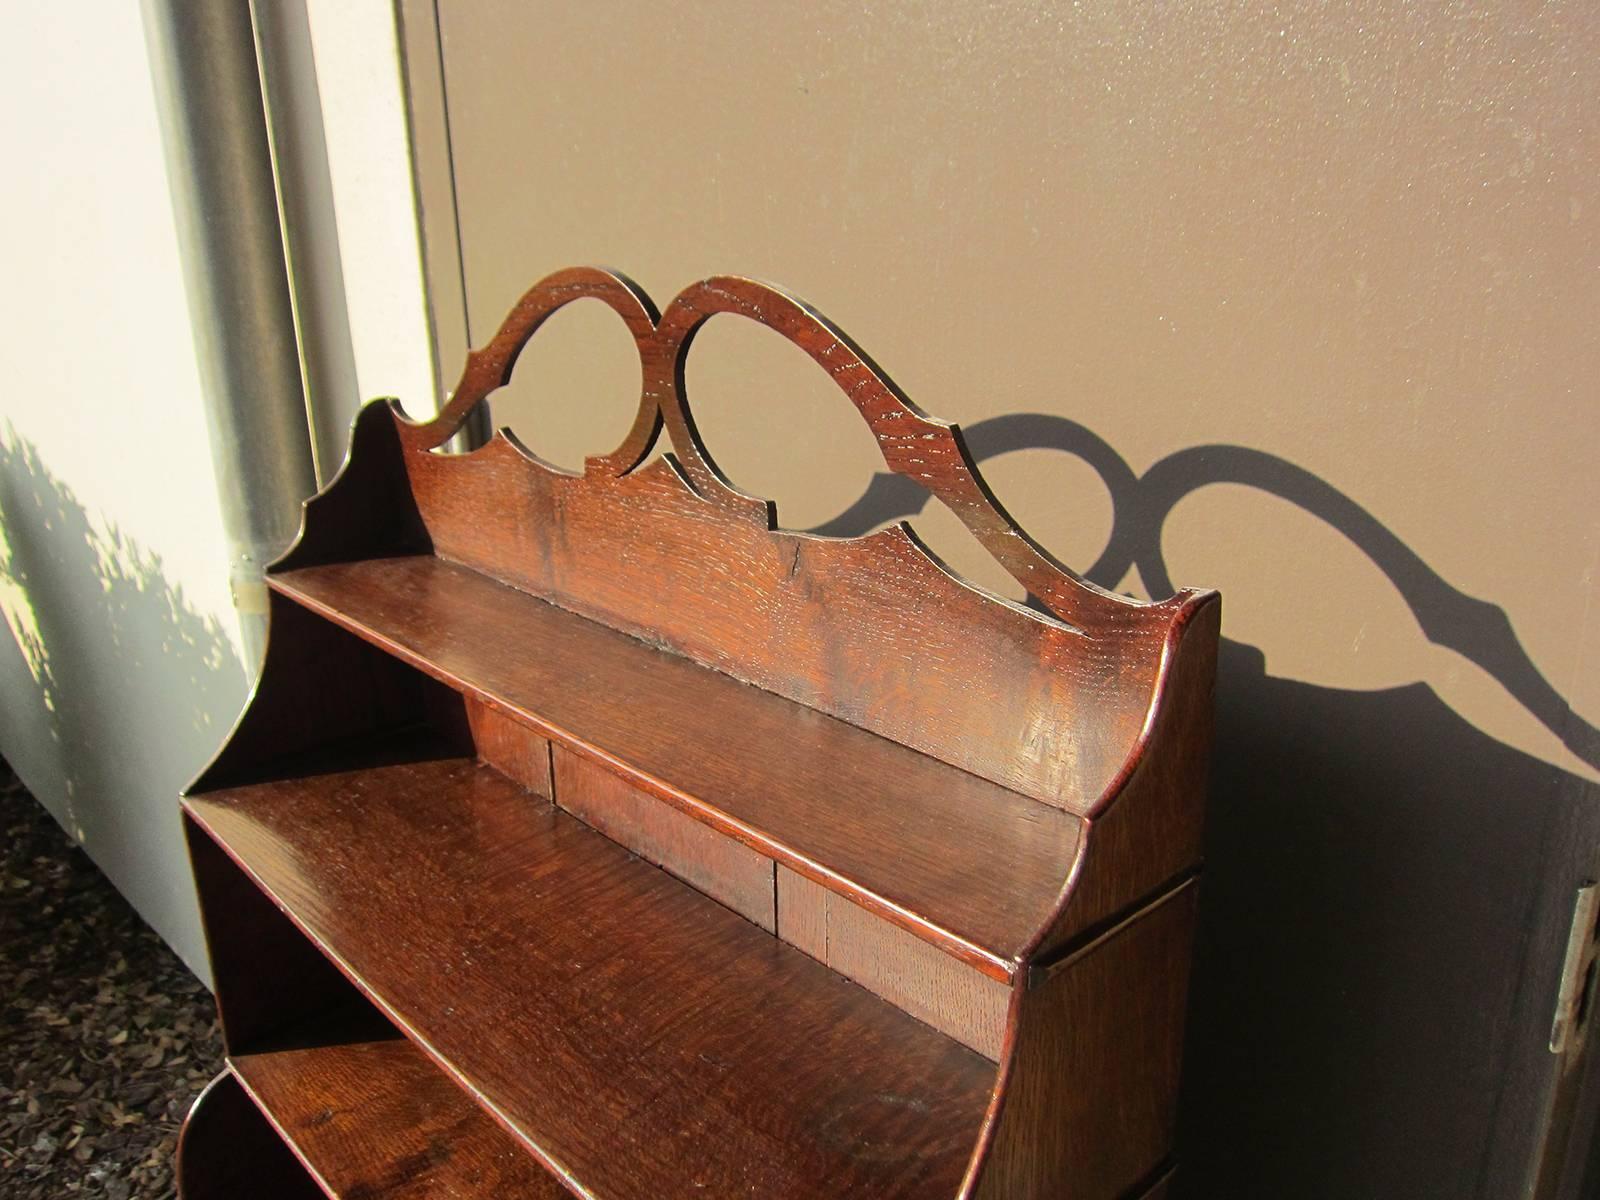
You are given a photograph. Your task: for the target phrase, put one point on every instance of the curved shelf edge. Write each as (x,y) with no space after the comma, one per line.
(228,1151)
(1086,1099)
(1145,835)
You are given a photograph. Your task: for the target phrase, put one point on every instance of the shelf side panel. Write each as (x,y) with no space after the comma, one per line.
(1090,1101)
(1152,832)
(320,686)
(367,509)
(268,978)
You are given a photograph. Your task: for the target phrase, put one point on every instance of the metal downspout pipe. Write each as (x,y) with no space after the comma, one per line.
(213,127)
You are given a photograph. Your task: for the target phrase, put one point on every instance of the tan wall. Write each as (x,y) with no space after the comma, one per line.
(1353,250)
(1366,244)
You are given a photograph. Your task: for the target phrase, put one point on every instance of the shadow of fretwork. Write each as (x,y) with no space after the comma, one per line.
(114,690)
(1387,887)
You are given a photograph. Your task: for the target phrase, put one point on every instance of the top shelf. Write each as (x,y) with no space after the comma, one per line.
(971,867)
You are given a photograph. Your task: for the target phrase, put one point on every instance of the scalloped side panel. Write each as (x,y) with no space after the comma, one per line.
(871,630)
(366,510)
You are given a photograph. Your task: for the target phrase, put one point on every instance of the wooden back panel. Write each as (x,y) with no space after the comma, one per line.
(873,630)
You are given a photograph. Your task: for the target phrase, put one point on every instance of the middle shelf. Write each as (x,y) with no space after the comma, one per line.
(605,1013)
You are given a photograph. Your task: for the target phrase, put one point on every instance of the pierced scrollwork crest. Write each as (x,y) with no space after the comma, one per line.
(922,448)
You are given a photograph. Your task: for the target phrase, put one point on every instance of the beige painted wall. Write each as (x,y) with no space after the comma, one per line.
(1355,251)
(363,116)
(121,665)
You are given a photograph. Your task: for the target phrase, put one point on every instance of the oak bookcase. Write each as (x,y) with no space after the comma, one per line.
(587,833)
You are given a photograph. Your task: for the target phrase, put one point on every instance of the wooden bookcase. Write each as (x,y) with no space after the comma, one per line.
(587,833)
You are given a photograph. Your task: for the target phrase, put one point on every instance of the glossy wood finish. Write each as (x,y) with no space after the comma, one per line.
(912,839)
(496,693)
(375,1120)
(950,995)
(1149,836)
(924,449)
(860,628)
(608,1014)
(870,630)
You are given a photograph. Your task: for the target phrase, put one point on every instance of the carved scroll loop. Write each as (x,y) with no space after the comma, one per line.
(490,368)
(925,449)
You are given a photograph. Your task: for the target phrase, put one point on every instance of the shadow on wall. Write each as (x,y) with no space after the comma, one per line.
(113,689)
(1376,866)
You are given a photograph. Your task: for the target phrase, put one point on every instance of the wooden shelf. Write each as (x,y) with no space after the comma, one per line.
(617,1015)
(662,852)
(371,1117)
(970,866)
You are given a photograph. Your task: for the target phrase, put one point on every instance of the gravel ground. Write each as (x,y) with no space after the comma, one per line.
(105,1037)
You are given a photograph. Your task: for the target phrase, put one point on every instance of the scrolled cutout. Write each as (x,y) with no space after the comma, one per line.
(924,449)
(777,427)
(574,394)
(489,368)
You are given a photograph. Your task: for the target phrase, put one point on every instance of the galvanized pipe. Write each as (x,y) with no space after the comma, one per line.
(213,127)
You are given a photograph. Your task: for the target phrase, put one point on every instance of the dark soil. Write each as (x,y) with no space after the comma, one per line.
(105,1036)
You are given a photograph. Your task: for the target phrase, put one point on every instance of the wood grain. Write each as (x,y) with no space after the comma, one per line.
(719,866)
(857,628)
(887,961)
(490,366)
(1151,833)
(970,866)
(924,449)
(639,1037)
(375,1120)
(927,450)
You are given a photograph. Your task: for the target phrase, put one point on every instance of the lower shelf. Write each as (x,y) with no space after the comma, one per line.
(376,1120)
(637,1037)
